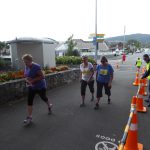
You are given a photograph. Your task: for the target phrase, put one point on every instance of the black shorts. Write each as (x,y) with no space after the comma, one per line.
(32,93)
(100,89)
(84,85)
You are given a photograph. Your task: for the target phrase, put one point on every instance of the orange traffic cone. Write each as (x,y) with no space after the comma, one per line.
(117,65)
(134,100)
(144,93)
(137,74)
(145,82)
(140,107)
(136,82)
(132,138)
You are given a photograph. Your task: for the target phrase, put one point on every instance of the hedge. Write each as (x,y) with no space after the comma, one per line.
(71,60)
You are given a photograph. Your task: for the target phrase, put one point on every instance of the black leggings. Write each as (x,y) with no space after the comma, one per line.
(100,89)
(32,93)
(84,85)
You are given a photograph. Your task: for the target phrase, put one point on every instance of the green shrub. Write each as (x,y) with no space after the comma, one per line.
(4,63)
(71,60)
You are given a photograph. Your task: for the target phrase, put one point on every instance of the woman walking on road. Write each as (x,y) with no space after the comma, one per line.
(36,84)
(104,77)
(86,78)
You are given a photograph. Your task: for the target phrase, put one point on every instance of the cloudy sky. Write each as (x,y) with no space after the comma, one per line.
(58,19)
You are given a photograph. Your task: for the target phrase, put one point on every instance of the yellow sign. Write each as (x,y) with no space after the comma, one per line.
(100,40)
(92,35)
(100,34)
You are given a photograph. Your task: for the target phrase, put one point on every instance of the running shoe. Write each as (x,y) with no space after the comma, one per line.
(50,109)
(82,105)
(96,106)
(28,120)
(109,101)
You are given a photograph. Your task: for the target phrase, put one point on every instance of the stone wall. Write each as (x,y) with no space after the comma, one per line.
(16,89)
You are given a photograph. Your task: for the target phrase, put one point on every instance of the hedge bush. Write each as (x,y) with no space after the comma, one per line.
(4,63)
(71,60)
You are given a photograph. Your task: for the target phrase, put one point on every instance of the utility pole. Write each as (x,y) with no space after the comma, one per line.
(96,43)
(124,38)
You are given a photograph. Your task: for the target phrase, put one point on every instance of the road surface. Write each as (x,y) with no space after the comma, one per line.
(71,127)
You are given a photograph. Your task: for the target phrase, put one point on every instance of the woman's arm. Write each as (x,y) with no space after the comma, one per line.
(39,77)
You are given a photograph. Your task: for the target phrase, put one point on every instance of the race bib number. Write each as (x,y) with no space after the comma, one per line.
(86,72)
(103,72)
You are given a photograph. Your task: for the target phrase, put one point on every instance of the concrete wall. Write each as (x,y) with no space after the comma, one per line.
(15,90)
(49,54)
(35,49)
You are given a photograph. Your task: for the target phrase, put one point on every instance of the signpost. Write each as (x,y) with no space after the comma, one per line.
(97,38)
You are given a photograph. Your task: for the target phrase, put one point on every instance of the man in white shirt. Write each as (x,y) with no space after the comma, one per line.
(87,78)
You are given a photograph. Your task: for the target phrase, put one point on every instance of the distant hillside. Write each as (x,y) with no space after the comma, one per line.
(143,38)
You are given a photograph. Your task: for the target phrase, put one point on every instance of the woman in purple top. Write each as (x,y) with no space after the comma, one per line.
(104,77)
(36,84)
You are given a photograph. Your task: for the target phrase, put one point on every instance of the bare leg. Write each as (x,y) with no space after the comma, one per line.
(30,109)
(97,103)
(92,99)
(49,104)
(98,99)
(49,107)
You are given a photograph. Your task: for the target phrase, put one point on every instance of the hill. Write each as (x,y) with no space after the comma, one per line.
(143,38)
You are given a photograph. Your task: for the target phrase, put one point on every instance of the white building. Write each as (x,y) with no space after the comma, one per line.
(84,47)
(42,50)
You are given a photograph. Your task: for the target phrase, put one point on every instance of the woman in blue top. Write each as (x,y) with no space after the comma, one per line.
(36,84)
(104,77)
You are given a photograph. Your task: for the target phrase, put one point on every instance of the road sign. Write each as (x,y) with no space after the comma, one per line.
(100,35)
(92,35)
(94,40)
(97,35)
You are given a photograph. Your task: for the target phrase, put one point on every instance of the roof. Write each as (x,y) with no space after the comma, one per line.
(61,47)
(83,45)
(31,40)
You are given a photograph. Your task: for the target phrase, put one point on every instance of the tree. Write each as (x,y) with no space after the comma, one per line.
(76,52)
(71,45)
(120,45)
(133,44)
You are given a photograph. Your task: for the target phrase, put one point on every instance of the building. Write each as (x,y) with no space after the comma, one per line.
(82,47)
(42,50)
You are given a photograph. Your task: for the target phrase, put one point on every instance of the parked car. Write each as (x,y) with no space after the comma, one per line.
(116,52)
(138,51)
